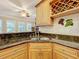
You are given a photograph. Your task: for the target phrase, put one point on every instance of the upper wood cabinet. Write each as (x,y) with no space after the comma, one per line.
(43,13)
(61,8)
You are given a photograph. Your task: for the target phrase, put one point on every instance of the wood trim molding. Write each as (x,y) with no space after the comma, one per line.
(40,3)
(44,25)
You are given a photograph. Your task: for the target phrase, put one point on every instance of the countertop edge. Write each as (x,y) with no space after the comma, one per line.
(67,43)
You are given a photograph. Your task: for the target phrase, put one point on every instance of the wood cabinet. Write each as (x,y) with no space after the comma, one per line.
(61,8)
(39,54)
(63,52)
(58,55)
(78,53)
(21,56)
(16,52)
(43,13)
(40,51)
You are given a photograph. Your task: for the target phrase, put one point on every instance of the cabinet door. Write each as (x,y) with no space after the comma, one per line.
(40,54)
(34,55)
(16,52)
(39,15)
(58,55)
(7,57)
(40,51)
(46,55)
(67,52)
(43,13)
(46,13)
(78,54)
(22,56)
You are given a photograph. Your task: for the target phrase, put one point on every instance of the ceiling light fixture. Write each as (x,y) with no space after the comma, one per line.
(24,13)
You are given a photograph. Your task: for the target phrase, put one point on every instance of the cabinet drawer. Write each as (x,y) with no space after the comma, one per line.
(64,49)
(40,45)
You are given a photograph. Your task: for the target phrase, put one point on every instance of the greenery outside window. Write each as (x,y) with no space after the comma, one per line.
(21,27)
(10,26)
(1,26)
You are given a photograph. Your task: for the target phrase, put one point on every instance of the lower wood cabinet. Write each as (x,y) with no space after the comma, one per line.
(57,55)
(40,55)
(63,52)
(22,56)
(47,54)
(40,51)
(16,52)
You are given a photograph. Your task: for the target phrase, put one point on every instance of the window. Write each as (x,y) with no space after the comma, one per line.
(0,25)
(10,26)
(22,27)
(29,27)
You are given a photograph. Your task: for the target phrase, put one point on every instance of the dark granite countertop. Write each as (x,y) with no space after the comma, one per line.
(67,43)
(62,42)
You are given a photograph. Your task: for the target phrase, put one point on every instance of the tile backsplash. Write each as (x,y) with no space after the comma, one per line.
(59,29)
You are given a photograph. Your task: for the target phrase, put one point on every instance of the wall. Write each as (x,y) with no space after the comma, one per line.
(59,29)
